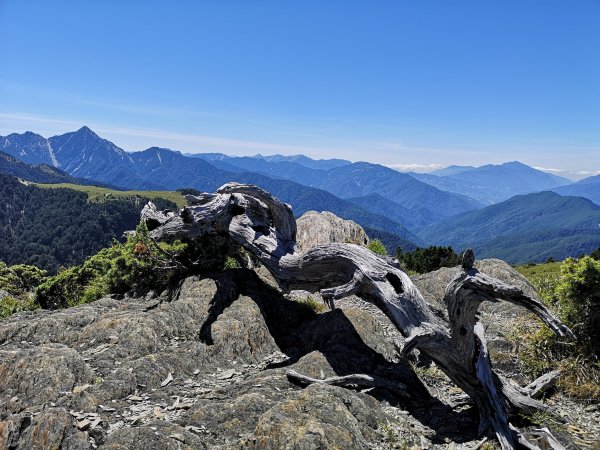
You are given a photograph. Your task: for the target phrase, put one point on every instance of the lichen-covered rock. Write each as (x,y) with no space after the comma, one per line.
(316,228)
(197,372)
(320,417)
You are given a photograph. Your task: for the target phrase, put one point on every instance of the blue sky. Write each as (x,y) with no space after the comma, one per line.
(412,83)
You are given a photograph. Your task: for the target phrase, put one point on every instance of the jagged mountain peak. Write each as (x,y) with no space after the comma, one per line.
(85,129)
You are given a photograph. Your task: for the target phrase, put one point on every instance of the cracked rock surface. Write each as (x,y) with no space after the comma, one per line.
(208,370)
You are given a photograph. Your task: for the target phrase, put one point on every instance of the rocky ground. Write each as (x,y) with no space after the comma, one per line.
(208,370)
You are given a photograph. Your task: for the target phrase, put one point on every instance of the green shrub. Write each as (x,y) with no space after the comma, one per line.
(578,296)
(139,265)
(377,247)
(314,304)
(231,263)
(423,260)
(574,295)
(11,305)
(16,285)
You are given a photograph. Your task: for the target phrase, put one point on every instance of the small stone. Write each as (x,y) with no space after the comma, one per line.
(113,339)
(83,424)
(591,408)
(178,437)
(167,380)
(196,372)
(135,398)
(96,422)
(227,374)
(134,419)
(158,413)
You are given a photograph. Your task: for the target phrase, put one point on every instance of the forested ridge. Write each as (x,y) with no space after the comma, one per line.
(50,228)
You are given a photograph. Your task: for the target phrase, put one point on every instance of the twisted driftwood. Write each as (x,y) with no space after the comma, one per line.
(257,221)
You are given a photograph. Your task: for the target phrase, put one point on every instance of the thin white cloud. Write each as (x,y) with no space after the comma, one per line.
(577,172)
(548,169)
(572,174)
(422,168)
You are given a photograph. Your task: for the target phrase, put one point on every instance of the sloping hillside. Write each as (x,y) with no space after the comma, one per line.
(50,228)
(525,228)
(40,173)
(588,188)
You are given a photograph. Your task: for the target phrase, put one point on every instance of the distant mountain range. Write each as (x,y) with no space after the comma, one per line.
(458,205)
(588,188)
(420,202)
(525,228)
(85,154)
(492,183)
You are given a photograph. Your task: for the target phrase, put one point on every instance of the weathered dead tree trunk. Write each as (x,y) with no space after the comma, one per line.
(257,221)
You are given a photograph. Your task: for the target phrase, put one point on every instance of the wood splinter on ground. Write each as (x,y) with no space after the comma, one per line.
(255,220)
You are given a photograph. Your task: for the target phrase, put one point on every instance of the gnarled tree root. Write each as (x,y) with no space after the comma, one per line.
(265,227)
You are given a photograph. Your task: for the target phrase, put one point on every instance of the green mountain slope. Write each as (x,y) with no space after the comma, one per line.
(588,188)
(524,228)
(50,228)
(40,173)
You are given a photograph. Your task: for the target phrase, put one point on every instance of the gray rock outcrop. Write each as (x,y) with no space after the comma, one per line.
(316,228)
(96,375)
(208,370)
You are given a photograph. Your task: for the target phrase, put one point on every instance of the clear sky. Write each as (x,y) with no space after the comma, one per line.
(419,82)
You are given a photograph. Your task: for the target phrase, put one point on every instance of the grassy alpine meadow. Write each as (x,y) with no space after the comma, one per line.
(99,194)
(570,288)
(544,277)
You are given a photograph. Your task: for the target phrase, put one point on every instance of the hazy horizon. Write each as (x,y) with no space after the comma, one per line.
(404,168)
(411,86)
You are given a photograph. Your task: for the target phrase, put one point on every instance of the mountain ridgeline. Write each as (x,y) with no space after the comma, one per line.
(460,206)
(86,155)
(588,188)
(492,183)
